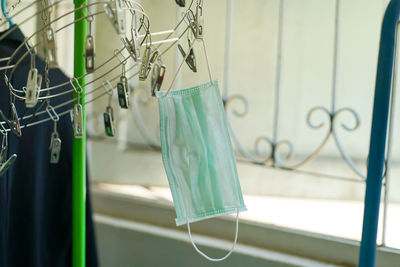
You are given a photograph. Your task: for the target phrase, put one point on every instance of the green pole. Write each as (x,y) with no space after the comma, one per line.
(79,149)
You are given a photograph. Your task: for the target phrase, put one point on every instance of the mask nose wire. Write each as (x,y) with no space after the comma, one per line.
(230,251)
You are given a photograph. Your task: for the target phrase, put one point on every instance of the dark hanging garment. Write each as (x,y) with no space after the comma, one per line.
(35,195)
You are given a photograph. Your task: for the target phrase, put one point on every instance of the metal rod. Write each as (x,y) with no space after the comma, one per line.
(335,57)
(278,71)
(378,134)
(157,33)
(228,48)
(161,42)
(389,151)
(79,148)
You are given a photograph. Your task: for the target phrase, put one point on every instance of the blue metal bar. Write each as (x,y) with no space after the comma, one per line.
(5,12)
(379,134)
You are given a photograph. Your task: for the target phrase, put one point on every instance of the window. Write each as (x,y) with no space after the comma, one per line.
(297,170)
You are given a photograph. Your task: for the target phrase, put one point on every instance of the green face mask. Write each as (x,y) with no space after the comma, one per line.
(198,155)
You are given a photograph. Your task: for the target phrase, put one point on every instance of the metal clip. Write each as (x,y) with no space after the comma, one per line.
(199,20)
(55,148)
(190,59)
(50,49)
(4,146)
(33,84)
(77,121)
(4,166)
(123,93)
(77,113)
(157,78)
(181,3)
(109,121)
(117,19)
(89,47)
(135,42)
(13,123)
(128,46)
(144,68)
(191,21)
(89,54)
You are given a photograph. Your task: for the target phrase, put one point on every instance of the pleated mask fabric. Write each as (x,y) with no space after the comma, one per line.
(197,154)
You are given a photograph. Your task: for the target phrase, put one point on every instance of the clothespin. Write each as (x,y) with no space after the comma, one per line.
(122,85)
(144,68)
(157,77)
(33,85)
(77,114)
(5,164)
(50,47)
(117,17)
(89,47)
(191,58)
(12,123)
(109,113)
(199,20)
(55,141)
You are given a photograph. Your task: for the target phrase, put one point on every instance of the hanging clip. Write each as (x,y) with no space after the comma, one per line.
(122,85)
(181,3)
(13,123)
(55,141)
(77,114)
(116,18)
(109,121)
(89,48)
(199,20)
(50,47)
(128,46)
(109,114)
(123,92)
(157,78)
(190,59)
(191,21)
(5,164)
(32,90)
(144,68)
(133,46)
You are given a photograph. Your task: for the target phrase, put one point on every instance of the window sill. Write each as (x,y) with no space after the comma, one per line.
(159,212)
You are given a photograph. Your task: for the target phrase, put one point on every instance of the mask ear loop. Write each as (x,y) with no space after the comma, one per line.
(230,251)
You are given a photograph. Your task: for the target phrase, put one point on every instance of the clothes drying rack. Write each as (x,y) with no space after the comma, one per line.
(81,18)
(384,93)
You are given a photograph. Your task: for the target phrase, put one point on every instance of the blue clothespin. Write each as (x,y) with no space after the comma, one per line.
(5,12)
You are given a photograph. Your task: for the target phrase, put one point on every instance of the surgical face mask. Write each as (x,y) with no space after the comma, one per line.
(198,156)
